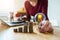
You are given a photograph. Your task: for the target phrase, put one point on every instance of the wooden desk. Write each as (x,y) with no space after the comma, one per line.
(7,33)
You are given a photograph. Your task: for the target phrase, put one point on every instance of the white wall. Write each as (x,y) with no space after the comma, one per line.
(54,11)
(19,4)
(7,6)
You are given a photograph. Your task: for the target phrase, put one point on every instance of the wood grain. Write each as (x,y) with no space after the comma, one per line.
(7,33)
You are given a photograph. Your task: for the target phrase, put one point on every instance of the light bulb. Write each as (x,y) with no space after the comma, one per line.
(40,17)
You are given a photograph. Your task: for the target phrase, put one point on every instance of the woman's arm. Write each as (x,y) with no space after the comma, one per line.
(27,8)
(45,7)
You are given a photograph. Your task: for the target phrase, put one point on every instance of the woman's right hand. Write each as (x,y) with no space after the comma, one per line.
(45,26)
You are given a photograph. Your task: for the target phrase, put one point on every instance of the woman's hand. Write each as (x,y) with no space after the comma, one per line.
(45,26)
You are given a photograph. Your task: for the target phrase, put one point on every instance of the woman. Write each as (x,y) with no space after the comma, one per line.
(35,6)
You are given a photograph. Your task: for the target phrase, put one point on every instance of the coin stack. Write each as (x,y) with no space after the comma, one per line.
(20,29)
(15,30)
(30,27)
(25,29)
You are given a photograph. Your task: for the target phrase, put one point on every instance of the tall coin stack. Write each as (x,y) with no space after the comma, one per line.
(26,28)
(30,27)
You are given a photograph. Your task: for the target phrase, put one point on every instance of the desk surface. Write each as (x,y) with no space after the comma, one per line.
(7,33)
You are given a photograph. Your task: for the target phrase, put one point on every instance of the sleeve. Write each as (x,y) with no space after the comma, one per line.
(27,12)
(45,7)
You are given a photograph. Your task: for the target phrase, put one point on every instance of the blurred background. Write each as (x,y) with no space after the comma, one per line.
(7,6)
